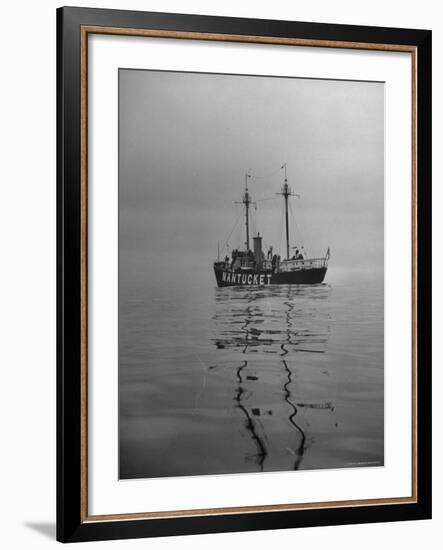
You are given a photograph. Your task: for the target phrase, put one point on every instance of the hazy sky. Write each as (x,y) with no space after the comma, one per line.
(187,139)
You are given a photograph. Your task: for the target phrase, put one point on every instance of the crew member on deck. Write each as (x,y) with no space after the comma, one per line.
(274,262)
(234,257)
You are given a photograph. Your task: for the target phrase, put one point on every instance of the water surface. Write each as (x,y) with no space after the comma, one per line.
(236,380)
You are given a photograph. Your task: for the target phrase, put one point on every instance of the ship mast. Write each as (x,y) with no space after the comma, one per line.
(246,201)
(286,192)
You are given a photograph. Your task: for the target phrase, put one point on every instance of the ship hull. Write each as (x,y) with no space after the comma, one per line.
(309,276)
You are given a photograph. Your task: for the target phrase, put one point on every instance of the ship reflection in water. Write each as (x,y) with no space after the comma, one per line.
(282,321)
(241,379)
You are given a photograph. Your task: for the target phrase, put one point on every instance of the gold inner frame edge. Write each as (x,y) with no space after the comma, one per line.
(85,30)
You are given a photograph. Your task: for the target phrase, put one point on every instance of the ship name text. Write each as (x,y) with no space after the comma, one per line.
(246,278)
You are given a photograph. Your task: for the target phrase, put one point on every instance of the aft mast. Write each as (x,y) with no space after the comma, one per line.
(286,192)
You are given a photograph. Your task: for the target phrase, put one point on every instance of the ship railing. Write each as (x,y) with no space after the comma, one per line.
(308,263)
(242,262)
(237,264)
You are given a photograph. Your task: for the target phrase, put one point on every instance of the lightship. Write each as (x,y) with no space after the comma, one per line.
(251,267)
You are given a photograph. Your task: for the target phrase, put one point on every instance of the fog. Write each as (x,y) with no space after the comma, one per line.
(186,141)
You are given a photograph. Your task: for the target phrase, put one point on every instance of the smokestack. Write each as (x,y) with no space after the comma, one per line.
(258,254)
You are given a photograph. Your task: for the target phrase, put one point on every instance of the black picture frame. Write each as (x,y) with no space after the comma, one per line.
(71,523)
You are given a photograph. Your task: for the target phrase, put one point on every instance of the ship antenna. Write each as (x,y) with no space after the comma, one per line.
(286,192)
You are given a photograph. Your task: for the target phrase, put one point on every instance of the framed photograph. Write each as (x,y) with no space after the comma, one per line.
(244,274)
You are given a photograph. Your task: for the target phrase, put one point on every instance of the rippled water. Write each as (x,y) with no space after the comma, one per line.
(238,379)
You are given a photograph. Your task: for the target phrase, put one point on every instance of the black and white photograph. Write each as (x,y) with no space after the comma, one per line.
(251,274)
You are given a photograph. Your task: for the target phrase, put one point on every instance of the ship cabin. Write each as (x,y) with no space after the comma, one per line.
(249,260)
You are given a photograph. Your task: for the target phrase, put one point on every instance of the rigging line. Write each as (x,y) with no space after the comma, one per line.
(255,221)
(253,218)
(296,231)
(232,230)
(302,237)
(267,199)
(294,226)
(261,177)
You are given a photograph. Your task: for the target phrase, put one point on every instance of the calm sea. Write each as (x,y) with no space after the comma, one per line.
(234,380)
